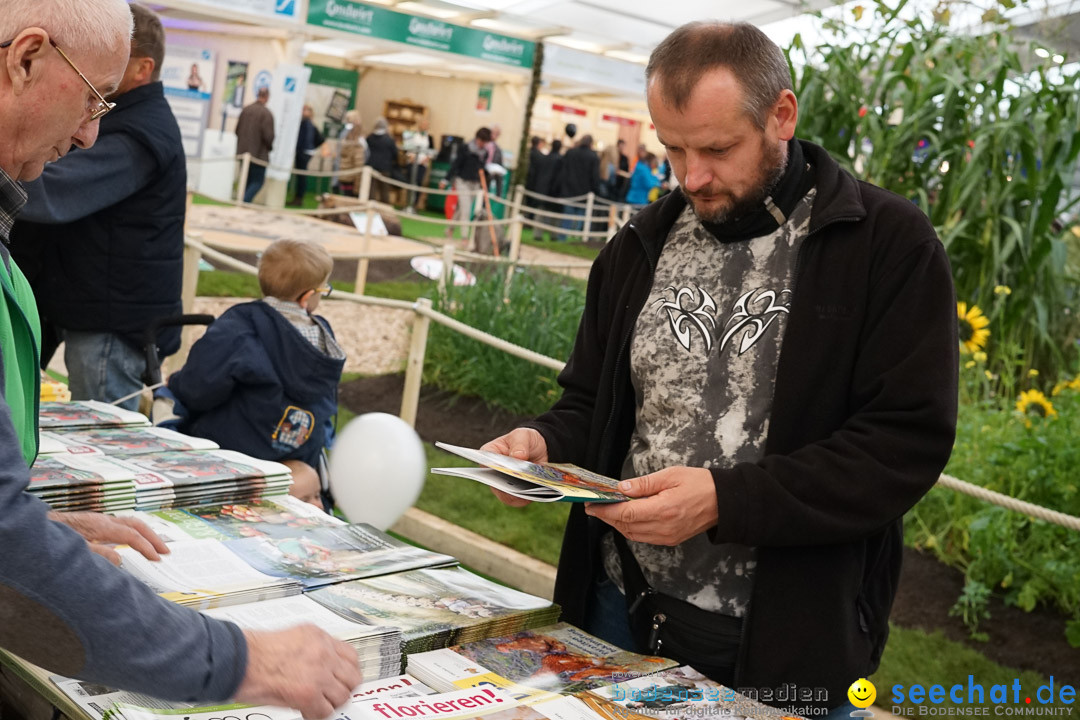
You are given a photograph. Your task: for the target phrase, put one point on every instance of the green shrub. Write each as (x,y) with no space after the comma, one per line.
(1031,457)
(541,313)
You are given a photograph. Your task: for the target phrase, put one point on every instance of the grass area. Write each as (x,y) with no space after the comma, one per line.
(914,657)
(535,530)
(222,283)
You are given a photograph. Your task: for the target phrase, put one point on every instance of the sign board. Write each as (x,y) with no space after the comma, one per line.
(604,73)
(623,121)
(568,109)
(188,76)
(287,92)
(277,9)
(380,22)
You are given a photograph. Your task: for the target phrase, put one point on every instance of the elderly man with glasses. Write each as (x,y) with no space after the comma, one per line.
(101,238)
(62,606)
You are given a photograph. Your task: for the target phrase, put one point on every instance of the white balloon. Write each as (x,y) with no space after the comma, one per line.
(377,469)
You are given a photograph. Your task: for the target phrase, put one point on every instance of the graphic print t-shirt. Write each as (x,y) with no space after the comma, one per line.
(703,365)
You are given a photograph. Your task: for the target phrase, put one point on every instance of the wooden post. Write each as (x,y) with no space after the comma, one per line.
(447,276)
(516,228)
(414,370)
(188,288)
(241,186)
(587,227)
(365,184)
(365,248)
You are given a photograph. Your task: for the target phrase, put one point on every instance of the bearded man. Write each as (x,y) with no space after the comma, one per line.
(768,360)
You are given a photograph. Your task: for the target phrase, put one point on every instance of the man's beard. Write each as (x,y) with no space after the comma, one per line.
(773,165)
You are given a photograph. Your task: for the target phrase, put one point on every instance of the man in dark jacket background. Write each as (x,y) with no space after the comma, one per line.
(579,175)
(255,135)
(768,361)
(102,235)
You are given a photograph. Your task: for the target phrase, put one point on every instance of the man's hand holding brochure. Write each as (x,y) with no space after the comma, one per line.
(533,481)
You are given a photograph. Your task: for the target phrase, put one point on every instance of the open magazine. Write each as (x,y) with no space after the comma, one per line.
(539,482)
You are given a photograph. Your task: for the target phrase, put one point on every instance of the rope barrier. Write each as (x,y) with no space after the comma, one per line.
(1051,516)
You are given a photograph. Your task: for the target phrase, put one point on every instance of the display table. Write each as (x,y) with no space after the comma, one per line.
(26,691)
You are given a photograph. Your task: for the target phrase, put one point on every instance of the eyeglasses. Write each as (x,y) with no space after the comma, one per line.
(95,109)
(325,291)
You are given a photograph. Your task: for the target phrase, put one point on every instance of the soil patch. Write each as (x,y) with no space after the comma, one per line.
(443,416)
(1026,641)
(1023,640)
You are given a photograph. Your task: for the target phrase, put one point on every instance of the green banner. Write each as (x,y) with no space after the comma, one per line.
(386,24)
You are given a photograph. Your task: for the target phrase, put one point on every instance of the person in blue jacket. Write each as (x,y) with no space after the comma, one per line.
(643,180)
(263,379)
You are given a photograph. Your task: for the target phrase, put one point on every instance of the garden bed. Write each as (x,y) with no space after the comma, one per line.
(928,589)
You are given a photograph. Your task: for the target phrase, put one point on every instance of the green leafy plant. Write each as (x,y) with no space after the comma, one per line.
(541,313)
(1031,456)
(980,134)
(972,608)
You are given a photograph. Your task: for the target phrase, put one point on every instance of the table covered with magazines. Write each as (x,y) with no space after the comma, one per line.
(433,639)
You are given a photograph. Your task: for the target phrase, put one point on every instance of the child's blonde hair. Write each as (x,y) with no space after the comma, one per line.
(289,268)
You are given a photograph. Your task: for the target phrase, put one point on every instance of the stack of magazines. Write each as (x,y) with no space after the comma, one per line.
(203,574)
(86,413)
(438,607)
(82,482)
(378,647)
(119,441)
(534,664)
(174,478)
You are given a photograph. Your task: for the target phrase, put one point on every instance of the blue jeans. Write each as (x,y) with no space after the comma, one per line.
(570,223)
(607,618)
(256,178)
(103,367)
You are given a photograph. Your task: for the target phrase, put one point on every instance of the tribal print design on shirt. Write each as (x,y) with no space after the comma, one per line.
(703,364)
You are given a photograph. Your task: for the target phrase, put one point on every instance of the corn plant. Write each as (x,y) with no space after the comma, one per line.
(984,139)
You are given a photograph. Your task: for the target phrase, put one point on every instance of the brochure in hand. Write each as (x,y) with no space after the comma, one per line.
(539,482)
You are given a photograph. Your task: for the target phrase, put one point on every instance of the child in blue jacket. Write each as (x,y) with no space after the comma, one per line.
(263,379)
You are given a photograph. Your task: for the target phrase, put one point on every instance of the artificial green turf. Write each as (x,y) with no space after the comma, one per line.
(916,657)
(535,530)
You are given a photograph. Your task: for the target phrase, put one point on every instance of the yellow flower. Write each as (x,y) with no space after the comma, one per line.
(1002,290)
(1059,387)
(1033,373)
(972,326)
(969,364)
(1032,403)
(979,357)
(989,375)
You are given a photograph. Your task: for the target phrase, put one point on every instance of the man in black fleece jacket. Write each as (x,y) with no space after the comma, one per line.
(768,359)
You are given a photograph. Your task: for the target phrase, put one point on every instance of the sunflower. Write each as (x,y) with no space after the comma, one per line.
(1032,403)
(972,326)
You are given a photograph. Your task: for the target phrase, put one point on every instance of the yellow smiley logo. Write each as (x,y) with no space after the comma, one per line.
(862,693)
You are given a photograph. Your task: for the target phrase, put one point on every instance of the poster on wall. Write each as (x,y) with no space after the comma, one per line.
(483,97)
(188,77)
(235,87)
(288,90)
(331,93)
